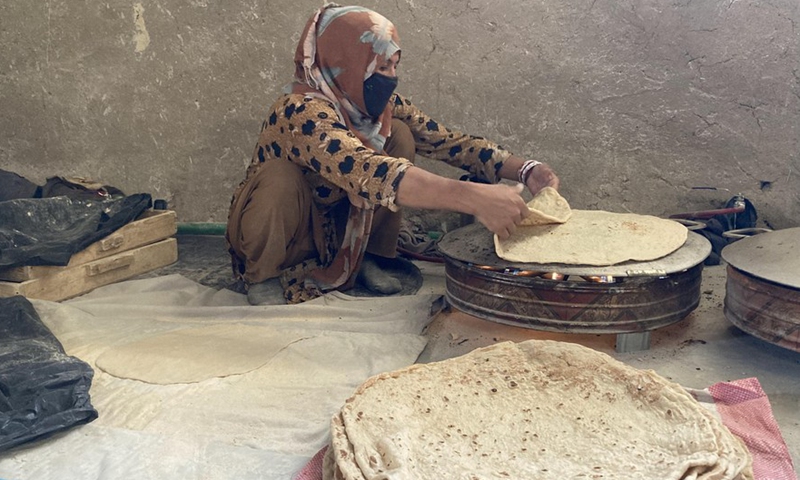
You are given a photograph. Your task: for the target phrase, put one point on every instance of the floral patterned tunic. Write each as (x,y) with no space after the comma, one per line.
(306,130)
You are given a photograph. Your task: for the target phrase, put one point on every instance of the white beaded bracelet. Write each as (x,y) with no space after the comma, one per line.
(526,169)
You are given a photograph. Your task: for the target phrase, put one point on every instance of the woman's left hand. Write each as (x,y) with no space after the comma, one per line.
(542,176)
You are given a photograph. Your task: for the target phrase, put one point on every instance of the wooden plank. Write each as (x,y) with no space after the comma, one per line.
(151,226)
(79,279)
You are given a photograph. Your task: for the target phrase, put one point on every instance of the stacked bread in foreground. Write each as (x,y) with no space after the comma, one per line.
(536,409)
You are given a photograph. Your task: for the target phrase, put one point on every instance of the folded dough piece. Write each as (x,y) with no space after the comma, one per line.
(536,409)
(548,206)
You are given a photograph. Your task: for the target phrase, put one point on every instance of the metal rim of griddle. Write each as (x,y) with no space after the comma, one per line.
(764,309)
(772,256)
(762,289)
(643,296)
(474,244)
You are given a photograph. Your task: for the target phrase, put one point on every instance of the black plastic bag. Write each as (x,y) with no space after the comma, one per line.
(42,390)
(48,231)
(79,189)
(717,225)
(13,186)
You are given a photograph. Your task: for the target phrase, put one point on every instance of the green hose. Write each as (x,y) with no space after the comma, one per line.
(210,228)
(201,228)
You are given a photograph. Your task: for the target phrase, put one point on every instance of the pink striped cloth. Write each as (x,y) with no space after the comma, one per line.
(743,407)
(313,469)
(745,410)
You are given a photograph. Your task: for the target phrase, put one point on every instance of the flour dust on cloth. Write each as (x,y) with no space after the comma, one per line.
(593,237)
(184,403)
(537,409)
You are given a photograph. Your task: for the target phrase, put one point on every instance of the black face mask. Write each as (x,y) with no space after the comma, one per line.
(378,89)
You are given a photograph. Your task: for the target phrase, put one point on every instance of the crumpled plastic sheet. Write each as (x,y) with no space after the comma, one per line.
(42,390)
(48,231)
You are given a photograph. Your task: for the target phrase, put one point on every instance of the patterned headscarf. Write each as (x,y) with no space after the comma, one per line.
(339,49)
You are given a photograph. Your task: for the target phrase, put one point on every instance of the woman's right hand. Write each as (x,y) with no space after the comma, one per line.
(499,207)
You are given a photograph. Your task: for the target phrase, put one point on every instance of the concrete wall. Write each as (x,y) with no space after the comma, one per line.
(633,102)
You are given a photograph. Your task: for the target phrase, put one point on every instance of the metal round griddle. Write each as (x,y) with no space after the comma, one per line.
(762,293)
(628,297)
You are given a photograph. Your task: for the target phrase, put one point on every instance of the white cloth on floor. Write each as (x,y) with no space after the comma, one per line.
(263,424)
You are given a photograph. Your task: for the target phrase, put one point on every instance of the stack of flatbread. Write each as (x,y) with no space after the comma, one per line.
(537,409)
(555,233)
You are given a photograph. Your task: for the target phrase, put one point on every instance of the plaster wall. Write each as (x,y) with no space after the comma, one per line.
(635,103)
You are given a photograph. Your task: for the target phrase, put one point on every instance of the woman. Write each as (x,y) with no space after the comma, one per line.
(319,205)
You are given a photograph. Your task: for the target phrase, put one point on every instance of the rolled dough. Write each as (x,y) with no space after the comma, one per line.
(192,355)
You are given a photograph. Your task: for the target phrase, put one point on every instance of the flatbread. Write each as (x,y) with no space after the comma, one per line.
(192,355)
(537,409)
(547,207)
(594,237)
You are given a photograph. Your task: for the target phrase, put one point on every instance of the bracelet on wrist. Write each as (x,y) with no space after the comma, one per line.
(526,169)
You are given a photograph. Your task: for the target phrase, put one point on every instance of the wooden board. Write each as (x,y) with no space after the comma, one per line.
(71,281)
(151,226)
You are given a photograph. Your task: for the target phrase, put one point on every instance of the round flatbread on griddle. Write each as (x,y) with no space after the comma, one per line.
(594,237)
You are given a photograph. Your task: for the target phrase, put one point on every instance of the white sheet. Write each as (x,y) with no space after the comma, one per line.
(264,424)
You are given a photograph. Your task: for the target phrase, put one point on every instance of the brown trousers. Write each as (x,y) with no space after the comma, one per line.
(275,224)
